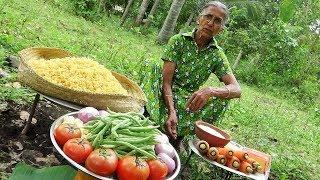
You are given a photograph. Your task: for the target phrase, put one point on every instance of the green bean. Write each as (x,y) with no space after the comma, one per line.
(146,128)
(136,140)
(126,133)
(132,147)
(134,134)
(147,148)
(125,125)
(121,152)
(131,153)
(108,146)
(105,121)
(96,141)
(138,115)
(109,119)
(91,137)
(131,118)
(113,130)
(123,148)
(127,113)
(123,135)
(142,144)
(151,151)
(91,123)
(98,128)
(88,127)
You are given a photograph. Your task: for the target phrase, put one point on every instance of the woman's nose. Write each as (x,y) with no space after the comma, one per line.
(211,22)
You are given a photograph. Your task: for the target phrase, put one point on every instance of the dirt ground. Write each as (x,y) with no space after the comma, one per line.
(34,148)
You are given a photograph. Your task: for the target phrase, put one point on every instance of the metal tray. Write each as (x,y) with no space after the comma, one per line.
(257,176)
(58,121)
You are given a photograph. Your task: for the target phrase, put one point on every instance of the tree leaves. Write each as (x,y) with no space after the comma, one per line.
(287,9)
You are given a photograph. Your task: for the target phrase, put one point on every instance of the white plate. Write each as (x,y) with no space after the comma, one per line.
(57,122)
(256,176)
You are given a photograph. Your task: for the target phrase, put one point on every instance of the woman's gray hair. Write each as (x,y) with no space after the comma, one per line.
(219,5)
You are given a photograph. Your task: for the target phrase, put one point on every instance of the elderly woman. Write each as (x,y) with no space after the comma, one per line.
(176,100)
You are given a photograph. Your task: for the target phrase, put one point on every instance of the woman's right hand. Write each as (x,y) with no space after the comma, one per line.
(171,126)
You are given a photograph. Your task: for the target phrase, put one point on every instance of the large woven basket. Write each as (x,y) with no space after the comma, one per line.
(119,103)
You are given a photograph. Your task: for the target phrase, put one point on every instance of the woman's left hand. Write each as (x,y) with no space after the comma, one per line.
(199,99)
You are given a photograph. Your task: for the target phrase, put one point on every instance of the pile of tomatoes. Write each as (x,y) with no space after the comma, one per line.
(104,161)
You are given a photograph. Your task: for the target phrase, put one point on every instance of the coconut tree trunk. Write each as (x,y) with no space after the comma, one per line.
(190,19)
(126,12)
(102,6)
(236,63)
(170,22)
(187,24)
(152,12)
(142,11)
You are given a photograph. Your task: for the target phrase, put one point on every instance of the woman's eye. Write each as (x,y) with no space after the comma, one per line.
(208,16)
(217,21)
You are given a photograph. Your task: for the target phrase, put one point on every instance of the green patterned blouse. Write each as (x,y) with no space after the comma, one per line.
(193,68)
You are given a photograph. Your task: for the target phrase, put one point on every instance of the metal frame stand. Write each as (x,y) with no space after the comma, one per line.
(188,159)
(33,109)
(227,175)
(62,103)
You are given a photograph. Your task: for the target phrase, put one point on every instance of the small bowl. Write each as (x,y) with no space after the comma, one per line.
(213,139)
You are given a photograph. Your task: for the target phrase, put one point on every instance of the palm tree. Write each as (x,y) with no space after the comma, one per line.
(170,22)
(152,12)
(190,19)
(142,11)
(126,11)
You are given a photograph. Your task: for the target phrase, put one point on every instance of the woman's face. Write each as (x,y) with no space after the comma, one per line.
(211,21)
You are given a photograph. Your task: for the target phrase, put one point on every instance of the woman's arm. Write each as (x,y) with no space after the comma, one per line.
(171,123)
(229,91)
(167,73)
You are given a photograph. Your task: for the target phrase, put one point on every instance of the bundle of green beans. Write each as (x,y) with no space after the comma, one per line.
(126,133)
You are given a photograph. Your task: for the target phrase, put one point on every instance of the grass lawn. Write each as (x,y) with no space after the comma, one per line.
(258,120)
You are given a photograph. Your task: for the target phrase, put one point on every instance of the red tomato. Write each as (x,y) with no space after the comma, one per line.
(158,169)
(77,149)
(132,168)
(102,161)
(64,132)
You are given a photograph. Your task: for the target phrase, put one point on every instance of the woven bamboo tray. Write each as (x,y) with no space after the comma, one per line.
(134,101)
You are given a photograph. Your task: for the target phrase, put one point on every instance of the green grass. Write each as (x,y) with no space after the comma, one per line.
(27,24)
(277,126)
(35,23)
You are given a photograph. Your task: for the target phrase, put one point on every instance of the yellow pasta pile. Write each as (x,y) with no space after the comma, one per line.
(79,74)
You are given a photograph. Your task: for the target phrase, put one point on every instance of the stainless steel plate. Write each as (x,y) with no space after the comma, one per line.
(256,176)
(58,121)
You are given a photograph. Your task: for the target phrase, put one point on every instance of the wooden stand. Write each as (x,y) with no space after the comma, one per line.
(36,100)
(33,109)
